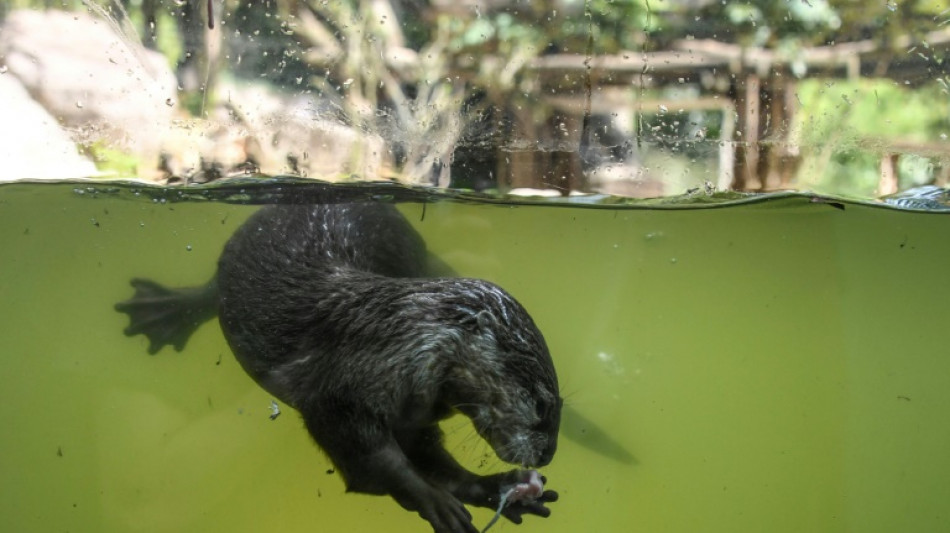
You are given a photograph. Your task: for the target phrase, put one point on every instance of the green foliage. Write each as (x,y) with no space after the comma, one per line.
(849,173)
(498,30)
(850,111)
(771,23)
(168,41)
(192,101)
(112,160)
(613,25)
(845,128)
(782,23)
(264,44)
(855,173)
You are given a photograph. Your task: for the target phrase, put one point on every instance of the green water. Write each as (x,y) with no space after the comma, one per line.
(777,366)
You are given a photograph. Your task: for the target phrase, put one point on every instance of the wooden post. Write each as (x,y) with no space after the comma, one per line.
(749,105)
(764,160)
(888,182)
(780,159)
(517,160)
(561,167)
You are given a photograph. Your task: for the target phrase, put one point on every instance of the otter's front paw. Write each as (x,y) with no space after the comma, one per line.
(445,513)
(525,494)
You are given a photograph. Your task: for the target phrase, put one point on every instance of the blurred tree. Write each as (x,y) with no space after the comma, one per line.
(429,75)
(797,23)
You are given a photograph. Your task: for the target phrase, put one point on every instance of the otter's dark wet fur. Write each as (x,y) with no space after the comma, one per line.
(328,309)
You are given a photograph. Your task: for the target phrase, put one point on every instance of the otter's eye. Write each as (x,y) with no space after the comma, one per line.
(541,410)
(546,412)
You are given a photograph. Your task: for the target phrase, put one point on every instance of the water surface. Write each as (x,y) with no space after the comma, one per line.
(776,365)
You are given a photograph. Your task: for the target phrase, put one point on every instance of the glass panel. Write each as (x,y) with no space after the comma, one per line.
(627,97)
(723,215)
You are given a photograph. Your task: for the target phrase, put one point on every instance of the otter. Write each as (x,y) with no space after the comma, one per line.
(329,308)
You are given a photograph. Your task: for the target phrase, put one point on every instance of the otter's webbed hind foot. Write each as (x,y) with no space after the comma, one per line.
(168,316)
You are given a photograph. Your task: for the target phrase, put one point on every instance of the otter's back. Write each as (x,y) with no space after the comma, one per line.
(280,262)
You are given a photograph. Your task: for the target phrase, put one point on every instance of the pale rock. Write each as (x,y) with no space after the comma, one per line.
(96,80)
(32,143)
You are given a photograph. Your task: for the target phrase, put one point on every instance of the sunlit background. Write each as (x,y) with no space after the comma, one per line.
(641,98)
(731,361)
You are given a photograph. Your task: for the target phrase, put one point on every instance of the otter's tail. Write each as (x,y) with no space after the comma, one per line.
(168,316)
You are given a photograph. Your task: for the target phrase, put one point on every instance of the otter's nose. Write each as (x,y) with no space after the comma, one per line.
(547,454)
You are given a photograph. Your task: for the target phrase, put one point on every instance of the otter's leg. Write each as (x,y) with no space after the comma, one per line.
(168,316)
(426,451)
(372,462)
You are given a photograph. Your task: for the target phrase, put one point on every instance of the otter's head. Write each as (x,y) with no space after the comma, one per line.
(504,379)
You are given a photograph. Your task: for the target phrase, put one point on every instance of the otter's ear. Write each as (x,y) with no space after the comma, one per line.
(485,320)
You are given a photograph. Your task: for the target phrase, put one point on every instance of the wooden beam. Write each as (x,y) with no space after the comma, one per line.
(690,55)
(609,103)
